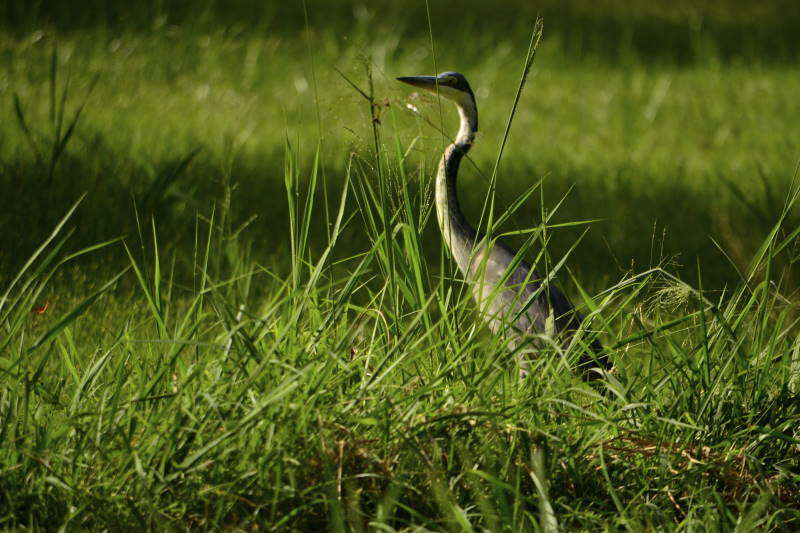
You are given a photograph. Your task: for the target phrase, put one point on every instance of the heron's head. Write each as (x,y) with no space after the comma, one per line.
(451,85)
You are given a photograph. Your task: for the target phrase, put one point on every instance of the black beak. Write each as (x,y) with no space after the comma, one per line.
(423,82)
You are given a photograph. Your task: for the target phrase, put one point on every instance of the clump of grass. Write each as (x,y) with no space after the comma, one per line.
(360,392)
(357,390)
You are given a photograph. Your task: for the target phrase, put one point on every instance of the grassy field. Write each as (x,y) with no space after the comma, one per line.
(224,302)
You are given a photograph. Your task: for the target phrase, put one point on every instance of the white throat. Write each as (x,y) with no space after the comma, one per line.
(468,114)
(457,233)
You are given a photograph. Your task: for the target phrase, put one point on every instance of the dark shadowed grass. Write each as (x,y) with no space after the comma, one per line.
(680,31)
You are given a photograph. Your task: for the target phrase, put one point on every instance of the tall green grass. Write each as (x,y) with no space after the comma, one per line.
(357,390)
(240,328)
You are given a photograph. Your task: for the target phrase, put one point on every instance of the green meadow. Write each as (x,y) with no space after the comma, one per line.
(225,303)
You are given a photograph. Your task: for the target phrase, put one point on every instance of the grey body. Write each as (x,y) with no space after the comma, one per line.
(514,303)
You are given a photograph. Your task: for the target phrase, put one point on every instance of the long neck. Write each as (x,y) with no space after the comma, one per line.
(457,233)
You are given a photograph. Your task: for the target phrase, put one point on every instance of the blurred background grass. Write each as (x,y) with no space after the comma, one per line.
(673,123)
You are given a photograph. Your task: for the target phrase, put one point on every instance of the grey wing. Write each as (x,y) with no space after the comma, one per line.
(544,302)
(528,306)
(567,320)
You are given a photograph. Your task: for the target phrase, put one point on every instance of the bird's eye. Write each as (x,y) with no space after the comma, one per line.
(448,80)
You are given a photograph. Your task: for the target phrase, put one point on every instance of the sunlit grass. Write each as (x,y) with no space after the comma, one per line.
(170,361)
